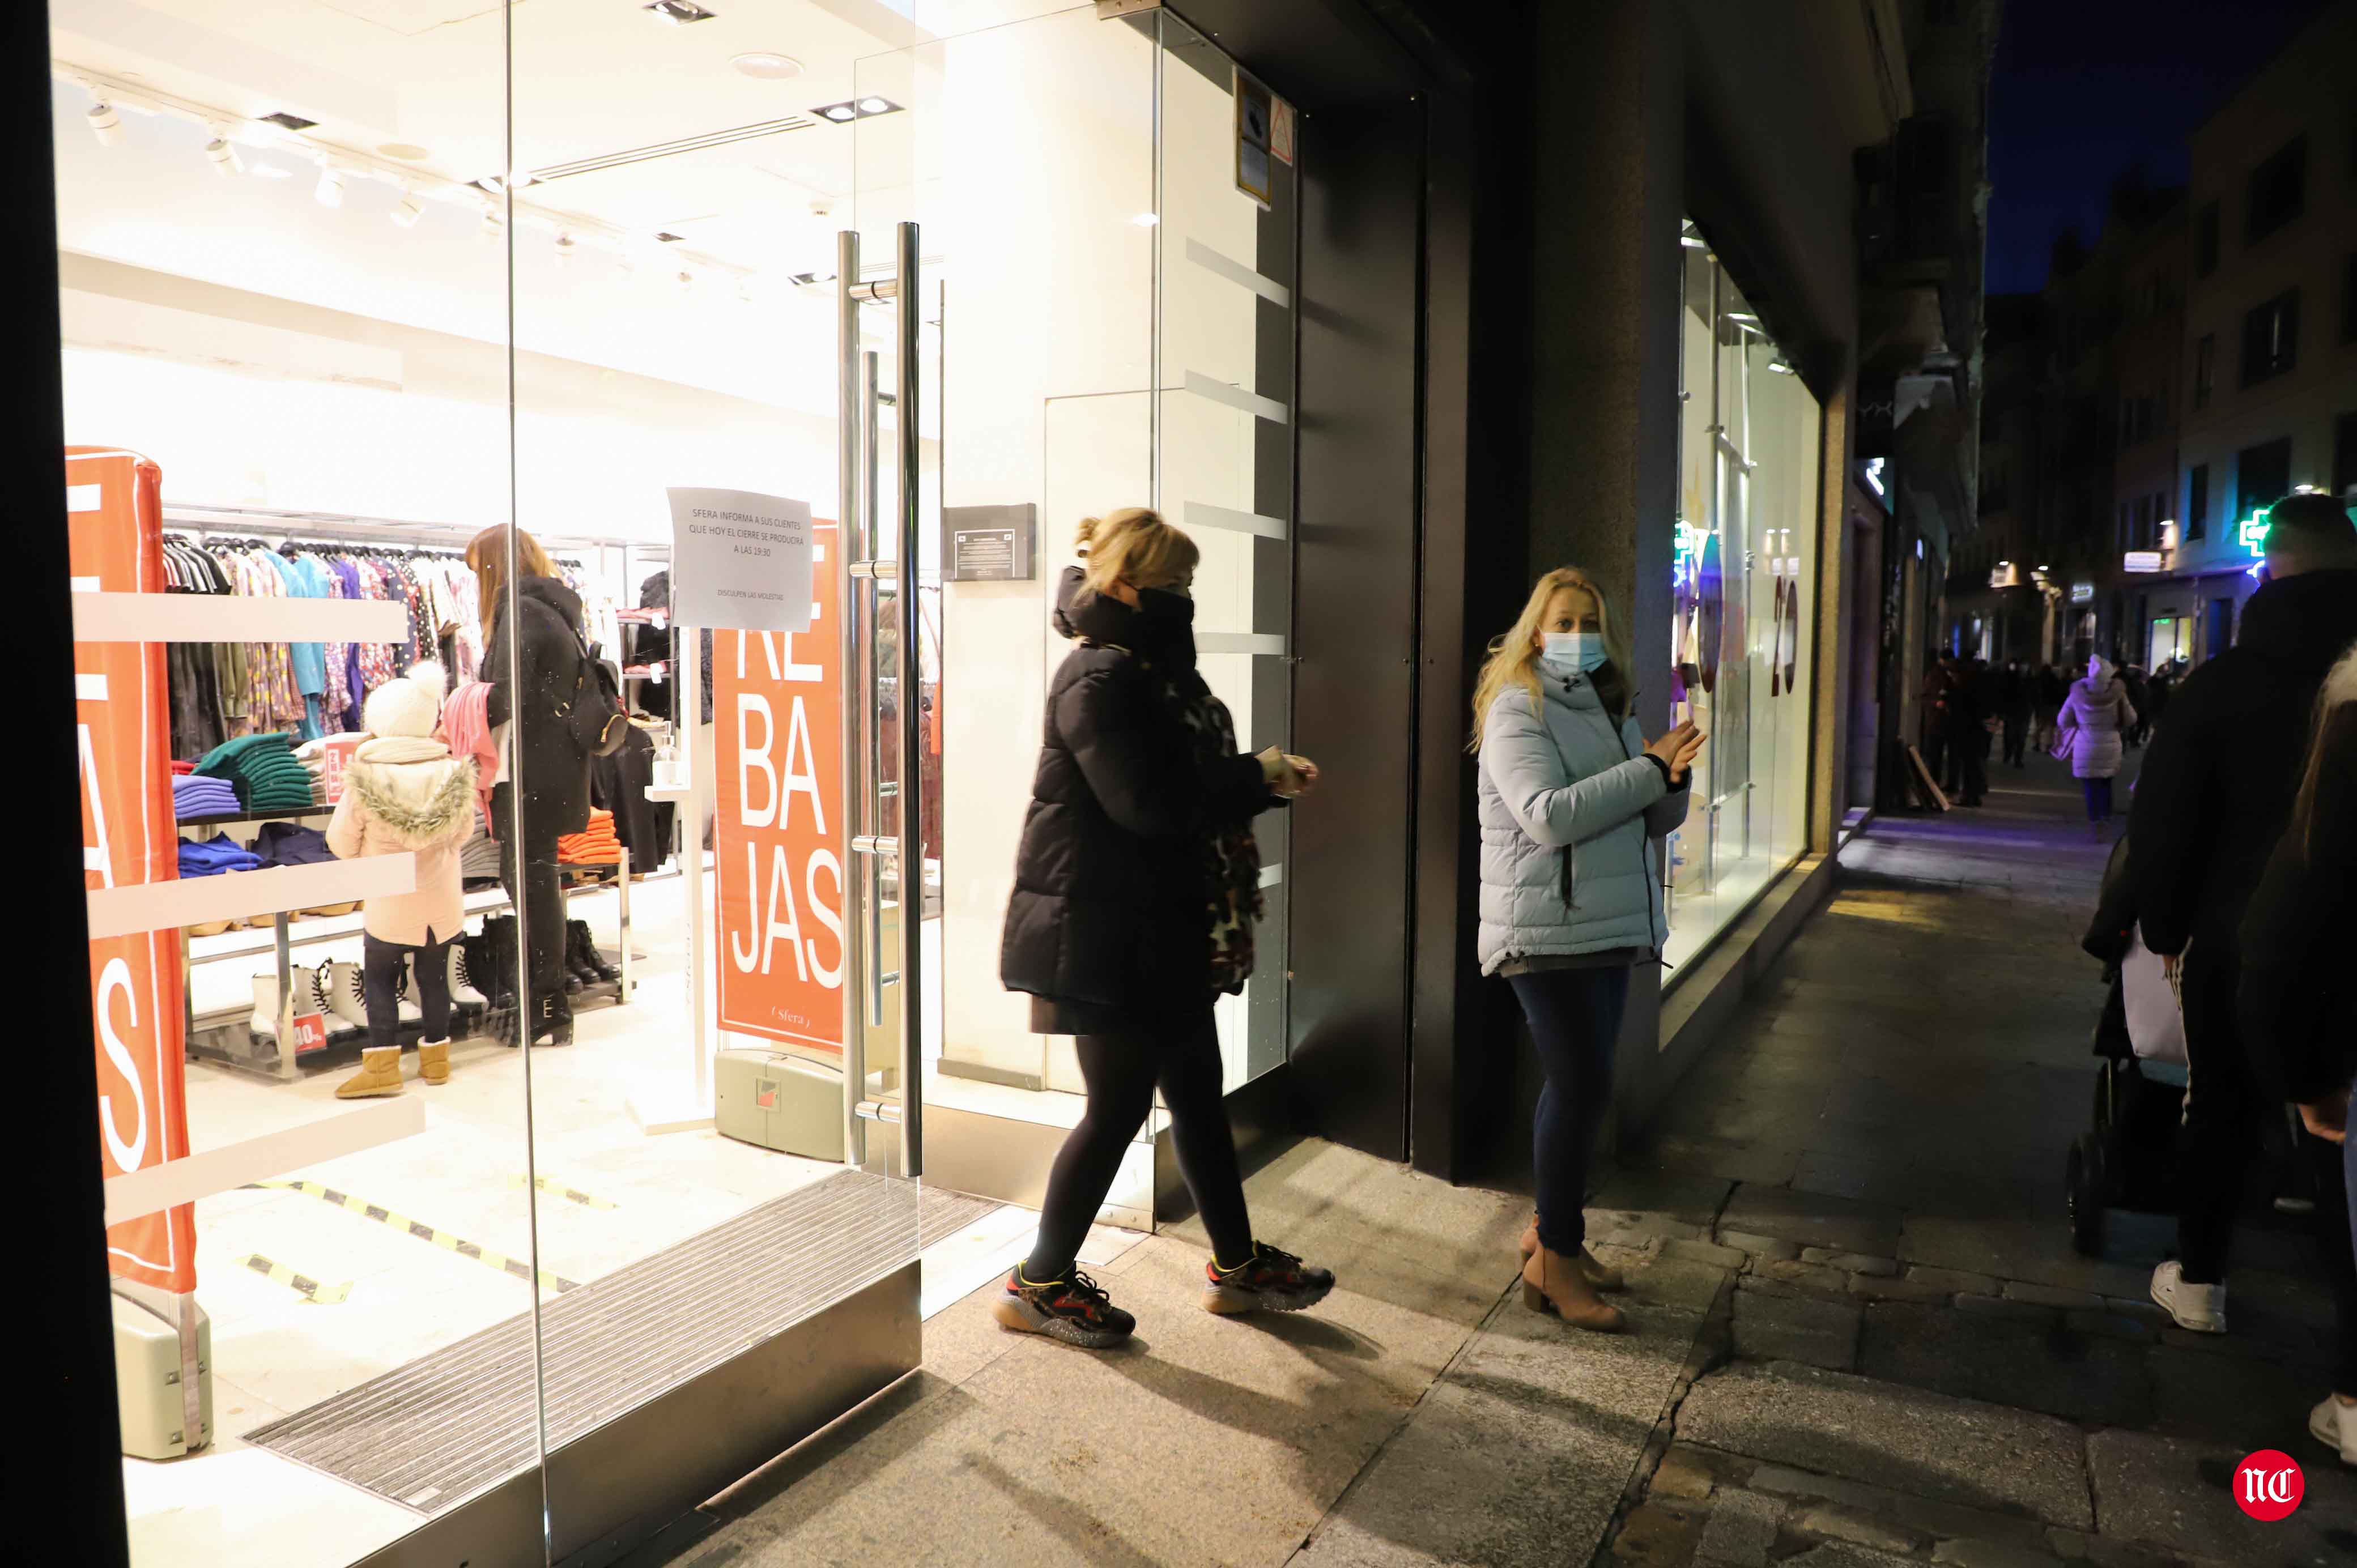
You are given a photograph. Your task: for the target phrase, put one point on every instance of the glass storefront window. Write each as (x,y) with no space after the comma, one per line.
(1743,594)
(384,345)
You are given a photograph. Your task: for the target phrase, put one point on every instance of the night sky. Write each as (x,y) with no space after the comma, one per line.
(2086,90)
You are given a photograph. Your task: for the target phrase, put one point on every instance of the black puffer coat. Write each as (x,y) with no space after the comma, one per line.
(1110,909)
(546,759)
(2298,999)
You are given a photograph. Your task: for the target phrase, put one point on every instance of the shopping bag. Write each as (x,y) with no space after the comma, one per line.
(2060,750)
(2155,1013)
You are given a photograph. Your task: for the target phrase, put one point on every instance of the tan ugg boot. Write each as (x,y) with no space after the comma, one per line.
(434,1061)
(379,1074)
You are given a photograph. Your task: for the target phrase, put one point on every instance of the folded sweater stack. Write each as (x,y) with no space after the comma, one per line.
(594,843)
(263,770)
(194,795)
(216,855)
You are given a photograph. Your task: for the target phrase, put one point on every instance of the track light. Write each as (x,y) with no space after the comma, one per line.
(566,247)
(686,280)
(493,224)
(1780,366)
(408,210)
(224,157)
(105,123)
(329,191)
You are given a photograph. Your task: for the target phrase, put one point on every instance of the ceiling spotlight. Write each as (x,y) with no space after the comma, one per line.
(1743,317)
(1780,366)
(566,247)
(287,121)
(1147,220)
(105,123)
(856,109)
(678,13)
(768,67)
(408,210)
(224,157)
(329,191)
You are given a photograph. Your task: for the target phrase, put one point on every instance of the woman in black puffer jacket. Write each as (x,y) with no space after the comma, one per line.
(1135,891)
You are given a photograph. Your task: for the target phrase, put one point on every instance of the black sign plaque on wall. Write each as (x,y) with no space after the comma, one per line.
(989,544)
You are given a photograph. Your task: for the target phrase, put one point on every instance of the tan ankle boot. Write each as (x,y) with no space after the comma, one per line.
(379,1074)
(1599,1274)
(434,1061)
(1553,1282)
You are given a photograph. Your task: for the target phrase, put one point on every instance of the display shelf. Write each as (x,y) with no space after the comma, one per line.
(235,617)
(242,894)
(236,817)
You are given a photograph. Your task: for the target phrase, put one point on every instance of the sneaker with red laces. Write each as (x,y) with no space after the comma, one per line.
(1074,1309)
(1269,1281)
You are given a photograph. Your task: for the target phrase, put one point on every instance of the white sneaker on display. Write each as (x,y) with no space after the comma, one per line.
(2199,1308)
(342,993)
(463,990)
(2334,1424)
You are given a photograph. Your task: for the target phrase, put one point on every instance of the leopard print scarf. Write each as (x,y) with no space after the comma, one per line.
(1229,855)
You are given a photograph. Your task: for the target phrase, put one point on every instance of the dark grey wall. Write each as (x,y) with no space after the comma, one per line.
(1356,620)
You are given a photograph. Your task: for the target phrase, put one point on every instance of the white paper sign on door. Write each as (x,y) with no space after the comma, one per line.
(740,560)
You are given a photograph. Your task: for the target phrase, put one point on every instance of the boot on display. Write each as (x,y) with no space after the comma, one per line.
(345,996)
(595,968)
(379,1074)
(576,973)
(465,994)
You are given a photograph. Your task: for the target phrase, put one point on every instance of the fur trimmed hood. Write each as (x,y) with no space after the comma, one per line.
(419,800)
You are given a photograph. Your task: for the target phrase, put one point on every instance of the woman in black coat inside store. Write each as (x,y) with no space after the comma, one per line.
(1136,888)
(545,748)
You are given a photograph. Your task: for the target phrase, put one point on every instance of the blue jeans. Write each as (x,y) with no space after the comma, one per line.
(1575,1018)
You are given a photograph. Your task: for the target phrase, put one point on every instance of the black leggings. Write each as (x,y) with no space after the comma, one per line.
(2099,799)
(381,974)
(1121,1071)
(539,904)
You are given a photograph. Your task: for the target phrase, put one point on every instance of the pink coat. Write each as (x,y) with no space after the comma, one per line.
(409,795)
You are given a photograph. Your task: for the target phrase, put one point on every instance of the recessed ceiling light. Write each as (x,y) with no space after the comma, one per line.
(407,151)
(857,108)
(840,111)
(872,105)
(666,237)
(768,67)
(290,122)
(1147,220)
(678,13)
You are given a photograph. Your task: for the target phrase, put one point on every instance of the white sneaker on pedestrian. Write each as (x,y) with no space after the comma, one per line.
(2200,1308)
(2334,1424)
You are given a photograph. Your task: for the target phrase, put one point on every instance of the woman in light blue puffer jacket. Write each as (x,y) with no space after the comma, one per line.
(1572,802)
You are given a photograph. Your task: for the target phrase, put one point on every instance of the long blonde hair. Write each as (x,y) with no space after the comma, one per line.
(2340,689)
(1512,655)
(1134,545)
(486,557)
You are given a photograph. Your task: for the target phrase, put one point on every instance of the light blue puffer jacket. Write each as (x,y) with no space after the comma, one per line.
(1567,782)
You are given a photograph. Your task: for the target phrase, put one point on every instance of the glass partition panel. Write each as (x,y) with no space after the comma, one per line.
(286,369)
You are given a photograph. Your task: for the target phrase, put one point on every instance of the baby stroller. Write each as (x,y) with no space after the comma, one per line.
(2126,1159)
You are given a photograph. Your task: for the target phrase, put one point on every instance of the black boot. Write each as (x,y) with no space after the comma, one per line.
(593,967)
(552,1022)
(575,975)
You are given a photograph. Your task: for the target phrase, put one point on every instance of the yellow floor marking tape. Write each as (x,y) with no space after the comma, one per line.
(309,1289)
(424,1232)
(556,1188)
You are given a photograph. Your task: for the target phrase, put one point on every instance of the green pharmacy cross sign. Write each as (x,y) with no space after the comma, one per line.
(2253,532)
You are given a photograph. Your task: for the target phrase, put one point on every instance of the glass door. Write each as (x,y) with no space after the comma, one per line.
(1104,312)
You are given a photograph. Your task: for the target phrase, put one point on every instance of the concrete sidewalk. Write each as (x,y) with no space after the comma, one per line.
(1857,1333)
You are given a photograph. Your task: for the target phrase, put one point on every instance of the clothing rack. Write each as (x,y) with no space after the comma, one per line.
(342,528)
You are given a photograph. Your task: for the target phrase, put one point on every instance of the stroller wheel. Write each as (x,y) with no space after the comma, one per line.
(2083,1179)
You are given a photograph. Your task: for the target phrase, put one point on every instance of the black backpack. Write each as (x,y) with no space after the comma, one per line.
(594,712)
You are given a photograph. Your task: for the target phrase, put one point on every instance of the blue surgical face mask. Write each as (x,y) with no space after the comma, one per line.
(1570,650)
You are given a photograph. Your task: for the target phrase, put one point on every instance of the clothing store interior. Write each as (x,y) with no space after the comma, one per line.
(345,286)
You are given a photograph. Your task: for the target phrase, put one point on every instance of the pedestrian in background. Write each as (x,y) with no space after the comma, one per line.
(2140,699)
(2210,803)
(2053,690)
(1934,695)
(2014,702)
(1136,890)
(2093,718)
(1574,803)
(1966,708)
(2299,1008)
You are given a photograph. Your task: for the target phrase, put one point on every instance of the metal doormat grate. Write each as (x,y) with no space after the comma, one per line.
(452,1423)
